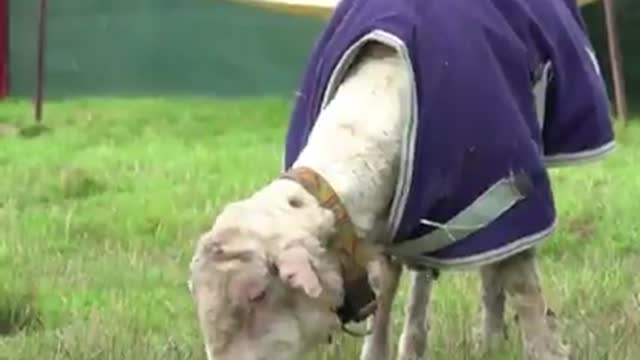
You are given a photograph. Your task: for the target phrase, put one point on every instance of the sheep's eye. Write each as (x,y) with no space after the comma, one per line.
(259,297)
(295,202)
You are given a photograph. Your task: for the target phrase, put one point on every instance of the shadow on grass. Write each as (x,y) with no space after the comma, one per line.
(34,130)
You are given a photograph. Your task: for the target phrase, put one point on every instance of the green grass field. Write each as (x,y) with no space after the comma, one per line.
(98,217)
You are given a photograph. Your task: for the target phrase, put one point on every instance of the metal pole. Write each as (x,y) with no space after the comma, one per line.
(4,48)
(616,61)
(42,41)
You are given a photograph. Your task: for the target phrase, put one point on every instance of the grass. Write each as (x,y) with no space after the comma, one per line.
(99,213)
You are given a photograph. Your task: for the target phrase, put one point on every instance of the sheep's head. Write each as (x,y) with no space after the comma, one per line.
(263,285)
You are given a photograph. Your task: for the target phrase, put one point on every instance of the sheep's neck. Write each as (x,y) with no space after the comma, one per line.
(356,142)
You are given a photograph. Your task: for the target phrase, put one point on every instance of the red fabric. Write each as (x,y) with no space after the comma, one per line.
(4,48)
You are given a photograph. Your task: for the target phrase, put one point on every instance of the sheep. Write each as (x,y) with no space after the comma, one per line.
(281,271)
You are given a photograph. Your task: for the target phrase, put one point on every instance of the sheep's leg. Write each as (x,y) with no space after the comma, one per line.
(385,278)
(413,341)
(521,281)
(493,332)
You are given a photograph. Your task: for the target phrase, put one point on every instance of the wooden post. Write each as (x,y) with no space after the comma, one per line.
(616,61)
(42,42)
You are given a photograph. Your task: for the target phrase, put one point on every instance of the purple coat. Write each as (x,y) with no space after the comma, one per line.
(502,90)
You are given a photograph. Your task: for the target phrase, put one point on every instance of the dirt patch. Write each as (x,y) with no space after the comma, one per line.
(7,130)
(18,313)
(80,183)
(582,227)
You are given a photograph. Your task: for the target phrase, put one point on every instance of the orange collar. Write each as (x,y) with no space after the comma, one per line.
(359,301)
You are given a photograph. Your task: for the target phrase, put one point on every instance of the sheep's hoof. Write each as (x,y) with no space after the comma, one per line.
(413,346)
(371,356)
(548,347)
(489,341)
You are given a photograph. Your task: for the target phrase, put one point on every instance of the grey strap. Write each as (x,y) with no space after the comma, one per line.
(485,209)
(540,93)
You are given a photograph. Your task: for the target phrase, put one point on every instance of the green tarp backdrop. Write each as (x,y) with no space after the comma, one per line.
(202,47)
(158,47)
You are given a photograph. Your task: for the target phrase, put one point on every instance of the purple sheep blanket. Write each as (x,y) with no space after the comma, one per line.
(501,91)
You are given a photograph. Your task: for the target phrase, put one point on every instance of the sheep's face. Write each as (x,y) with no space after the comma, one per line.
(263,290)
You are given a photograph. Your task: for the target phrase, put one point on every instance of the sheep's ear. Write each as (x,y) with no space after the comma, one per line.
(297,271)
(216,246)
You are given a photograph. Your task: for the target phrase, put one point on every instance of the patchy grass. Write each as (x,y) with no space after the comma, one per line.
(98,215)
